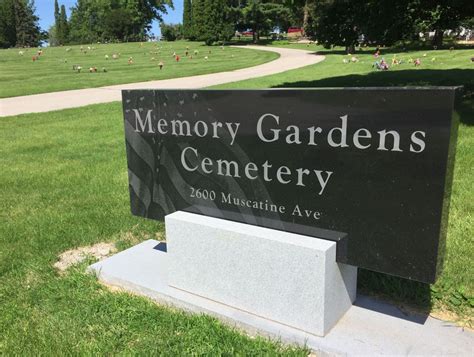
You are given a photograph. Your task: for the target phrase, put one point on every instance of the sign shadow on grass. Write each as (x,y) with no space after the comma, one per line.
(409,77)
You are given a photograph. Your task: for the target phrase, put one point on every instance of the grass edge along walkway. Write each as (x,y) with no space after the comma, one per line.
(289,59)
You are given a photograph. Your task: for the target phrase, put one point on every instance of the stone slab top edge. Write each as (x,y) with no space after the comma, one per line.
(303,89)
(251,230)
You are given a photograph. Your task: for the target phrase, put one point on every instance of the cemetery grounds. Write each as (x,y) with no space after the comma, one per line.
(64,185)
(55,69)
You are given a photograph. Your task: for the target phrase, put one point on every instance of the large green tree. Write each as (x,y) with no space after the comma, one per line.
(188,19)
(198,9)
(439,16)
(59,33)
(212,21)
(7,24)
(298,12)
(28,32)
(19,24)
(335,22)
(216,26)
(64,25)
(85,26)
(262,16)
(116,25)
(56,12)
(171,32)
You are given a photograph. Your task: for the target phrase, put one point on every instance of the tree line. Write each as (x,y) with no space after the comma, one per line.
(348,23)
(89,21)
(330,22)
(218,20)
(106,20)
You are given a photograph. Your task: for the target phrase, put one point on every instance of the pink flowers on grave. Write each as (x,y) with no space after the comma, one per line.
(381,65)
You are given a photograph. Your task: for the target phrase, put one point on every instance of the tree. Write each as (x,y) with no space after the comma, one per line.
(306,9)
(56,13)
(83,22)
(55,38)
(439,16)
(211,21)
(28,32)
(264,16)
(171,32)
(7,24)
(299,11)
(117,25)
(344,22)
(187,20)
(19,24)
(198,20)
(59,33)
(335,22)
(64,26)
(215,24)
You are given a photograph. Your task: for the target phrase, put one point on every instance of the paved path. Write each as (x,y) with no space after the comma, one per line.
(289,59)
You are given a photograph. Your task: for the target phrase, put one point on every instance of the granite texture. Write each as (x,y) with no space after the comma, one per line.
(285,277)
(368,168)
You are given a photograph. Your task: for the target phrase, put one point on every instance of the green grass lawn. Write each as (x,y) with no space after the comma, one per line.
(63,184)
(19,75)
(454,291)
(442,67)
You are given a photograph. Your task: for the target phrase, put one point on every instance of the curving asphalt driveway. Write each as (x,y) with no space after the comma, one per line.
(289,59)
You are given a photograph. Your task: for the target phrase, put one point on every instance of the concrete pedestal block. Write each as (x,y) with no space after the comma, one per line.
(288,278)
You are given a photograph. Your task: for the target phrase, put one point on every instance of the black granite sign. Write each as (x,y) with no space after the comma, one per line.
(369,168)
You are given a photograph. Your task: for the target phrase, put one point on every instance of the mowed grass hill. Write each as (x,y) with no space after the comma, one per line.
(25,71)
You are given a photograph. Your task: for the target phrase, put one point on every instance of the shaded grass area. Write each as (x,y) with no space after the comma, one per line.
(53,71)
(454,290)
(63,184)
(333,72)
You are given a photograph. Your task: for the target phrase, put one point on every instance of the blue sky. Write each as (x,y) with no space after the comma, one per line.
(45,11)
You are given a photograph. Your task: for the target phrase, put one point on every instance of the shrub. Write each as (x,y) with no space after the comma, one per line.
(171,32)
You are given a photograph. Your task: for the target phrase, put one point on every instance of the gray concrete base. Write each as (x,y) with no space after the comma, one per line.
(368,328)
(285,277)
